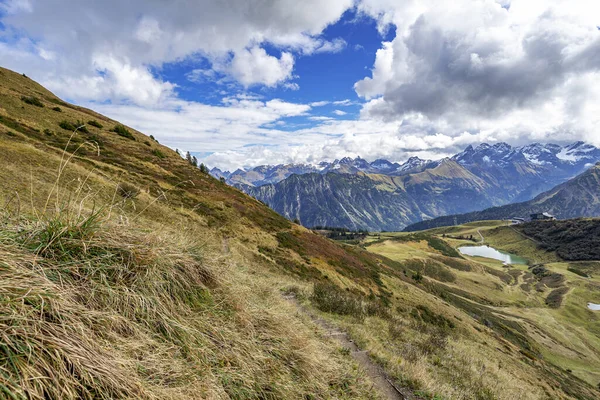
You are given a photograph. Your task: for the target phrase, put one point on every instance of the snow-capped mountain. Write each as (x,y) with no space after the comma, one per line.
(502,154)
(383,166)
(481,176)
(578,152)
(265,174)
(537,166)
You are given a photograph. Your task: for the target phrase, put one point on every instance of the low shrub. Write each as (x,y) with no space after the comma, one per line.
(578,272)
(80,125)
(122,131)
(424,314)
(555,298)
(66,125)
(158,153)
(95,123)
(34,101)
(330,298)
(57,109)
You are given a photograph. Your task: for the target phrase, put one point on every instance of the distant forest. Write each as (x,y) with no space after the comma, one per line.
(572,240)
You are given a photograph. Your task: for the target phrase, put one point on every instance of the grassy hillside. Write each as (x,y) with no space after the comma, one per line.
(541,306)
(125,272)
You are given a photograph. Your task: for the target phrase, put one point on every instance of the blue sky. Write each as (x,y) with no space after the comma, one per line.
(318,76)
(248,82)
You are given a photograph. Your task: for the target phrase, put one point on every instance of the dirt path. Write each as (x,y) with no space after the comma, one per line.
(381,382)
(525,236)
(481,236)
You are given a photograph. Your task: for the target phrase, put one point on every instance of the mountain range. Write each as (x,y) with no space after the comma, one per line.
(266,174)
(385,195)
(578,197)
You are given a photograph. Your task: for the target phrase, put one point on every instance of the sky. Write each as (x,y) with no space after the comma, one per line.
(241,83)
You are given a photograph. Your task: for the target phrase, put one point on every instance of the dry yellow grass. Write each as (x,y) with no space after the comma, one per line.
(113,312)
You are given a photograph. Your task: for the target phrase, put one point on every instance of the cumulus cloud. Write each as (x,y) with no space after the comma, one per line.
(455,73)
(141,34)
(484,65)
(254,66)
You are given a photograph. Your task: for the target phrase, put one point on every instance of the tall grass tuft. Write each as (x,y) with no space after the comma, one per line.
(330,298)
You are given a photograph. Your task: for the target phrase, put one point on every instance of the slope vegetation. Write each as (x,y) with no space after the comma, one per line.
(572,240)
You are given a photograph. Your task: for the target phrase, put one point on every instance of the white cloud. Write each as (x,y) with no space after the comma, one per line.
(455,72)
(118,81)
(345,102)
(201,75)
(334,46)
(474,65)
(201,128)
(148,30)
(254,66)
(308,44)
(141,34)
(291,86)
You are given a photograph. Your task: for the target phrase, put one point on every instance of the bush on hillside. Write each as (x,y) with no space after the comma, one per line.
(34,101)
(555,298)
(77,125)
(158,153)
(122,131)
(80,125)
(330,298)
(95,124)
(66,125)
